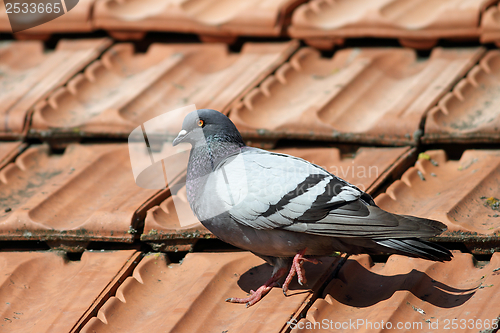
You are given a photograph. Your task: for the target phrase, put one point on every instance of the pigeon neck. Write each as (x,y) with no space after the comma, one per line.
(204,159)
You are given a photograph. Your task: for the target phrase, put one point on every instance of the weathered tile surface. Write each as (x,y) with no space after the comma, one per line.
(471,113)
(123,89)
(490,25)
(416,23)
(426,296)
(87,193)
(189,297)
(360,95)
(9,150)
(462,194)
(205,17)
(30,73)
(44,292)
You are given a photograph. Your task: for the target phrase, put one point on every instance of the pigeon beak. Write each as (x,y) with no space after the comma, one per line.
(182,134)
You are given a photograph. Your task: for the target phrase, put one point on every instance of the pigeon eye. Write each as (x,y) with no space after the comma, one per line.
(201,123)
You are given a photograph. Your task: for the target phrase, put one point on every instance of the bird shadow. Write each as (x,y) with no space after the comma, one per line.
(358,286)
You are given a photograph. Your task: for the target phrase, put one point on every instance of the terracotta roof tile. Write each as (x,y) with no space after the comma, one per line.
(78,19)
(460,194)
(9,150)
(87,193)
(43,292)
(124,89)
(377,96)
(4,19)
(366,168)
(424,295)
(490,25)
(189,297)
(359,95)
(471,112)
(30,73)
(205,17)
(415,23)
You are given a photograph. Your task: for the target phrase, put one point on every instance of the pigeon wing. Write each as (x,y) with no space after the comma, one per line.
(266,190)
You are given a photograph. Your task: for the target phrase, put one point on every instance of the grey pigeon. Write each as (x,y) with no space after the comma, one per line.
(283,208)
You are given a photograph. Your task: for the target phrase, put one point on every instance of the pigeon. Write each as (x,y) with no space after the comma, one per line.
(287,210)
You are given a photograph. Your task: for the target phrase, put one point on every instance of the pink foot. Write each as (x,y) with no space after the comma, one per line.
(296,268)
(255,296)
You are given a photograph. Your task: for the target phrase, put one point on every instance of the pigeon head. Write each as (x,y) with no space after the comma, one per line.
(213,138)
(206,126)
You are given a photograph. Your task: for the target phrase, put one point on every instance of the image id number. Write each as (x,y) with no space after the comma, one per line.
(32,8)
(470,324)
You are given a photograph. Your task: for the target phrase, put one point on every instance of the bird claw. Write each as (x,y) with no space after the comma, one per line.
(257,295)
(248,301)
(254,297)
(297,268)
(297,263)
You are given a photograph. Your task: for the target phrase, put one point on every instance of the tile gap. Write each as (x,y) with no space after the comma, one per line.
(57,150)
(60,143)
(454,246)
(176,257)
(423,55)
(21,246)
(7,37)
(370,42)
(380,258)
(142,45)
(454,151)
(51,43)
(103,140)
(33,141)
(450,43)
(241,40)
(116,246)
(481,260)
(349,146)
(213,245)
(326,54)
(57,145)
(73,256)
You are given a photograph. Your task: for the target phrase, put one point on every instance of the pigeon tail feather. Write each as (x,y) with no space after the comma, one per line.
(414,247)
